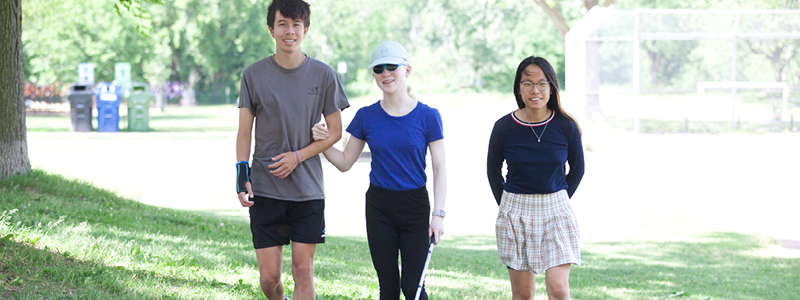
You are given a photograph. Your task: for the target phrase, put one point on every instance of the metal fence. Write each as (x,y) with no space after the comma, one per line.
(686,70)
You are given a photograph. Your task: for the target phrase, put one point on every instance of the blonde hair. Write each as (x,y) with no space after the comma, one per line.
(411,92)
(409,89)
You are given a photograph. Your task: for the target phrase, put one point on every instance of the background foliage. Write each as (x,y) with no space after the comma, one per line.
(455,44)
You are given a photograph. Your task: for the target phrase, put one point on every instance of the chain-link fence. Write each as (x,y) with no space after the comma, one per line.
(686,70)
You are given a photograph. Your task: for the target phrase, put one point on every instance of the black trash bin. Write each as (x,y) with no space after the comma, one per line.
(80,107)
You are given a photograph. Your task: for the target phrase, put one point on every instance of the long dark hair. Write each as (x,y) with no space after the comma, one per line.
(554,102)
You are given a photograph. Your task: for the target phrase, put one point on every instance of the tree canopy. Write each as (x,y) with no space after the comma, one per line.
(454,44)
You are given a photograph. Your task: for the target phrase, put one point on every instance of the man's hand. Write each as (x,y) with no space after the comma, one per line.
(243,197)
(284,164)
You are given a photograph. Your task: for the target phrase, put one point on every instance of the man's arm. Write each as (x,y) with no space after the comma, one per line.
(286,162)
(243,141)
(342,160)
(334,122)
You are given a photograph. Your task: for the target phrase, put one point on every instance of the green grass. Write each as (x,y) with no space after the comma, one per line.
(209,118)
(65,239)
(675,240)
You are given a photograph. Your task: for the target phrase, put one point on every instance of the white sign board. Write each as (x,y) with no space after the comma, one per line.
(86,74)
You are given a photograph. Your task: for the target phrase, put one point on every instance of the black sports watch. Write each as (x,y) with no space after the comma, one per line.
(439,213)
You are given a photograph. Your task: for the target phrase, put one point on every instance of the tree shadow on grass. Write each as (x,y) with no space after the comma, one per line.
(139,251)
(190,249)
(34,272)
(83,242)
(461,267)
(153,252)
(720,265)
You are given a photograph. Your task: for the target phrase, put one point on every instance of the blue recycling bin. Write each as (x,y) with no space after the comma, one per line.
(108,97)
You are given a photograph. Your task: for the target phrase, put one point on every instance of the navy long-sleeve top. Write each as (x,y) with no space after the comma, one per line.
(535,167)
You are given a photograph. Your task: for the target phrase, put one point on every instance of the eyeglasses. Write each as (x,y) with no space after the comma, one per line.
(391,67)
(527,86)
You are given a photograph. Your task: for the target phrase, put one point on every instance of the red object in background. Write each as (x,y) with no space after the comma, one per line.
(50,93)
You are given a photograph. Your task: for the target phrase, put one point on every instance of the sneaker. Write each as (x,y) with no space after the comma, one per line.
(287,298)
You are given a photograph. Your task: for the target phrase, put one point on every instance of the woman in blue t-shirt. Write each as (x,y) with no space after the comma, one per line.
(399,130)
(536,229)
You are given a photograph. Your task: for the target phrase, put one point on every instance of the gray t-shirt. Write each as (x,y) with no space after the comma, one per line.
(286,103)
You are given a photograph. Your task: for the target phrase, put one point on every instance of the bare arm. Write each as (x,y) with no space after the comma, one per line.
(286,162)
(243,141)
(439,187)
(342,160)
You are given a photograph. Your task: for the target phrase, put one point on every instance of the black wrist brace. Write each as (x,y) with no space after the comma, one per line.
(242,176)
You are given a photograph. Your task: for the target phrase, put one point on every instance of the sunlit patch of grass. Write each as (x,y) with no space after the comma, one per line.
(66,239)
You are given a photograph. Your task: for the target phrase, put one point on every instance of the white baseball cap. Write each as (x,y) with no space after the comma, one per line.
(389,52)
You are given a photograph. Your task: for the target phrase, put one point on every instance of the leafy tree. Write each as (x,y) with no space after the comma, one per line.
(55,41)
(231,35)
(13,136)
(207,43)
(478,45)
(348,30)
(556,14)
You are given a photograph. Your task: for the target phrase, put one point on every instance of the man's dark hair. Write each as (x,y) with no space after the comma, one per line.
(294,9)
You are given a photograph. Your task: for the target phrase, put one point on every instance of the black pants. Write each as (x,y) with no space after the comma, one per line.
(398,221)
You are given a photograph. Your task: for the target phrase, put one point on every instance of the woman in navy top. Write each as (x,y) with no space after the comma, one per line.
(399,130)
(536,228)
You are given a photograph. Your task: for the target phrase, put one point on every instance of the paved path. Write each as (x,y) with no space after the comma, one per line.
(637,187)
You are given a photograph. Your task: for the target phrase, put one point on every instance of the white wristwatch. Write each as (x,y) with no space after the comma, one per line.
(439,213)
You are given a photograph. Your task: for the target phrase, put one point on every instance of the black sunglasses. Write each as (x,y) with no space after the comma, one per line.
(391,67)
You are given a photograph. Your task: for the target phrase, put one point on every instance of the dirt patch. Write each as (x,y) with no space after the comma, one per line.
(8,288)
(7,276)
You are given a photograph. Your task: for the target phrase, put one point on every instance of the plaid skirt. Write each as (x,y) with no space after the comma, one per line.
(536,232)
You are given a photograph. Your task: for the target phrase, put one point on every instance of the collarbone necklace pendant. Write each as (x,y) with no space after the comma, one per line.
(538,137)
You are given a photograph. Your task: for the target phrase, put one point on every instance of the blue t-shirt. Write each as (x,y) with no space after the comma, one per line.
(535,167)
(398,144)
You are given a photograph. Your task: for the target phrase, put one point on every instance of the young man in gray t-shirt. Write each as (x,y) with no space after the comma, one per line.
(284,95)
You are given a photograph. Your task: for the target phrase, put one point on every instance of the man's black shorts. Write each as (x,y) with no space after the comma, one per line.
(274,222)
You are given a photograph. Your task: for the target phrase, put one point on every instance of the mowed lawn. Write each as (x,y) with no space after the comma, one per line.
(64,239)
(659,214)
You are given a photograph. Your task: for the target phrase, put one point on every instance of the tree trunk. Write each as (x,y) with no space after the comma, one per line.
(555,15)
(554,12)
(587,5)
(13,138)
